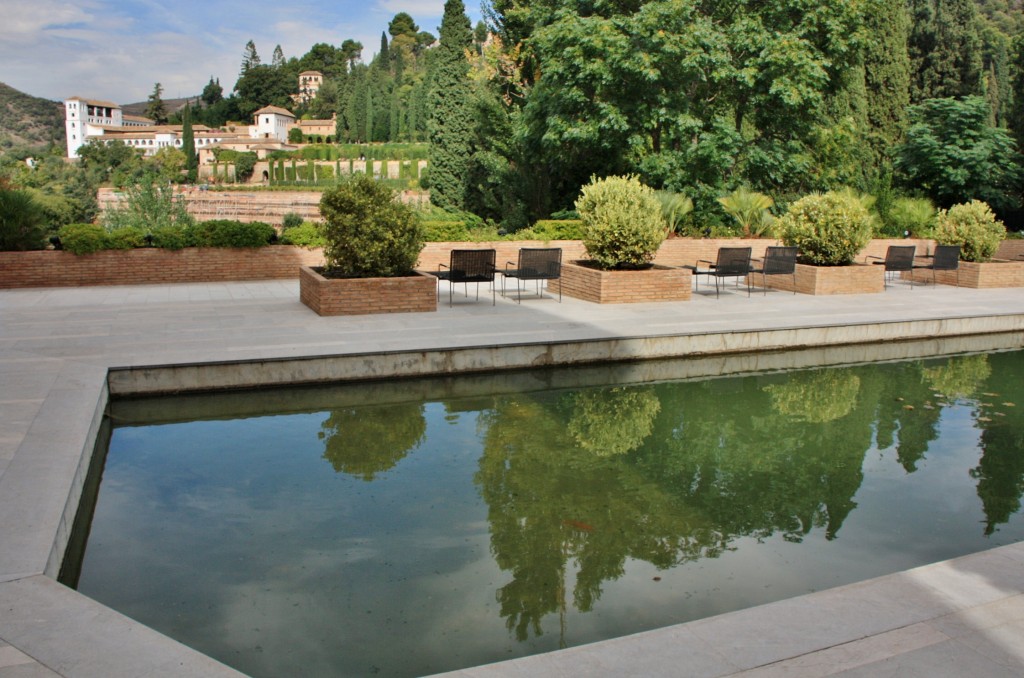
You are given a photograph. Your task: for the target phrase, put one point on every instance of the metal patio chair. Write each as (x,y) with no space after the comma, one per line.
(468,266)
(732,262)
(537,264)
(944,258)
(898,259)
(777,261)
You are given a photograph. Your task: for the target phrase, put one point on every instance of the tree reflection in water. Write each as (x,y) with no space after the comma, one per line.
(672,473)
(365,441)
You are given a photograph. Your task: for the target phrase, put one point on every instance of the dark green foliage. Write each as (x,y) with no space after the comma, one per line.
(21,221)
(295,135)
(954,155)
(83,238)
(188,146)
(886,73)
(244,164)
(291,220)
(445,231)
(213,92)
(451,116)
(168,237)
(155,109)
(229,233)
(125,238)
(368,232)
(945,49)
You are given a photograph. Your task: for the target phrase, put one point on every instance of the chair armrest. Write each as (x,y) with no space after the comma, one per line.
(874,257)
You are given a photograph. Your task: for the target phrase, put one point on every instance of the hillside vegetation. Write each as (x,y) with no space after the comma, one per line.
(26,120)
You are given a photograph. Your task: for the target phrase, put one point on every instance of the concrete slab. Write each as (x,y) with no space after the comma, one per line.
(57,348)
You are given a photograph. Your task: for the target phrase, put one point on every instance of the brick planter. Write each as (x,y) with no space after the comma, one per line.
(659,283)
(152,266)
(853,279)
(986,275)
(358,296)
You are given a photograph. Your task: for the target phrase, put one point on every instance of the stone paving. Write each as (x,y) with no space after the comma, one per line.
(60,348)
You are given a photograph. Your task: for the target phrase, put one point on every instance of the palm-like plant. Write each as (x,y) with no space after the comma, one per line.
(21,221)
(674,208)
(749,209)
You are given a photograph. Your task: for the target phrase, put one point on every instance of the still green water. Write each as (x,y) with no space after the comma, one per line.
(338,537)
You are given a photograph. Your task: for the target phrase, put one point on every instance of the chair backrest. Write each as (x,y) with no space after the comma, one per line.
(472,265)
(900,258)
(780,260)
(946,258)
(540,263)
(733,261)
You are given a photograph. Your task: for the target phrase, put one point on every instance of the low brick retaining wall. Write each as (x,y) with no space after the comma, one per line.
(986,275)
(825,280)
(49,268)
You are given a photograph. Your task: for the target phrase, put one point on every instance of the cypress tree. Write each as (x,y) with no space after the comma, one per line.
(945,49)
(450,124)
(887,73)
(188,145)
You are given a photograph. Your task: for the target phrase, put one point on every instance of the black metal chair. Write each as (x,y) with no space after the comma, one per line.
(898,258)
(777,261)
(468,266)
(733,262)
(535,263)
(944,258)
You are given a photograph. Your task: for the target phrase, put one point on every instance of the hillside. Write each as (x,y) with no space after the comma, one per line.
(26,120)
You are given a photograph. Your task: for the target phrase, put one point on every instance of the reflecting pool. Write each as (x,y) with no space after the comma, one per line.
(421,526)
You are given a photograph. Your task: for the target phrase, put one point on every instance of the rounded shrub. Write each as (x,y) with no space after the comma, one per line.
(82,238)
(368,232)
(229,233)
(445,231)
(622,225)
(291,220)
(168,237)
(307,234)
(829,229)
(973,226)
(125,238)
(552,229)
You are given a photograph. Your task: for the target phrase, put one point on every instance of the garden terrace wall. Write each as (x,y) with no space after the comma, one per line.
(48,268)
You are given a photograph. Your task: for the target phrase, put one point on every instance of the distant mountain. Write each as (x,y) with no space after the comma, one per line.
(26,120)
(172,105)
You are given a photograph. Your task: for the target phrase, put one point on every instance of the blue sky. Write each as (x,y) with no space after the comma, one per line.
(117,49)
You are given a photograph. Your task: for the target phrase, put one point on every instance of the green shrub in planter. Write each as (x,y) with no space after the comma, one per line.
(445,231)
(829,229)
(82,238)
(126,238)
(369,233)
(622,225)
(973,226)
(230,233)
(552,229)
(168,237)
(306,235)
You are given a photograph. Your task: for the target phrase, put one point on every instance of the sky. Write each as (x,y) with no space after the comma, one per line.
(117,50)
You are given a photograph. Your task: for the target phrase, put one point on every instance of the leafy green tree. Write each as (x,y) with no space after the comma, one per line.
(954,154)
(250,58)
(451,115)
(156,110)
(213,92)
(350,52)
(188,146)
(264,86)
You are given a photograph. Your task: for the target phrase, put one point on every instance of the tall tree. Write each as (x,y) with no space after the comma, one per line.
(451,114)
(945,49)
(887,73)
(213,92)
(250,58)
(277,60)
(350,52)
(188,145)
(156,110)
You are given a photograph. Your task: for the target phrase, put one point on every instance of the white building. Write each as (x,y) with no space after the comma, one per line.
(85,117)
(272,122)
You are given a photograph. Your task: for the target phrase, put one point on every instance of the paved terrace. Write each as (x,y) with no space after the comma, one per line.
(60,348)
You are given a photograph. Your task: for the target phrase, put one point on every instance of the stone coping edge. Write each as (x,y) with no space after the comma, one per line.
(242,374)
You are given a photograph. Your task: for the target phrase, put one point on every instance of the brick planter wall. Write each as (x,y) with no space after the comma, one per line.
(48,268)
(822,280)
(359,296)
(1012,250)
(978,276)
(622,287)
